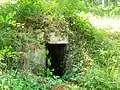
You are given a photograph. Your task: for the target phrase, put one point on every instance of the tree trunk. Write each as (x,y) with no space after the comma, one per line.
(104,3)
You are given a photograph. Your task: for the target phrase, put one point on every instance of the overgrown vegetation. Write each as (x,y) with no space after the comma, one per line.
(93,55)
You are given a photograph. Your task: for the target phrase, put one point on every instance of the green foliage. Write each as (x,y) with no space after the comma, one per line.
(7,22)
(14,81)
(7,57)
(92,54)
(98,78)
(115,12)
(91,47)
(26,9)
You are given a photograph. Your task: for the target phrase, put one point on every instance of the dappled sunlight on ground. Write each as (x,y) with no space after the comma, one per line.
(7,1)
(112,25)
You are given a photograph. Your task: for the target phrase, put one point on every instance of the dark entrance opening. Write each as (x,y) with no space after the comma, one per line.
(57,55)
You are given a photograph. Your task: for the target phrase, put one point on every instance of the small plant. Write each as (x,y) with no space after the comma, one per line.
(7,57)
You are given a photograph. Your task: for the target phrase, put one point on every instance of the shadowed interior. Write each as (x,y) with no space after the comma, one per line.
(57,55)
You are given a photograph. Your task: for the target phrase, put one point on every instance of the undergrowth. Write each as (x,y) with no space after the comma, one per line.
(92,60)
